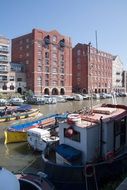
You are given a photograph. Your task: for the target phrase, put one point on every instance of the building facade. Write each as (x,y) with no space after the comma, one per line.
(92,70)
(18,77)
(4,64)
(48,60)
(117,75)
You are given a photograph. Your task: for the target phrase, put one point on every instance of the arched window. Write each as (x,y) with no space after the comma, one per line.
(4,87)
(12,87)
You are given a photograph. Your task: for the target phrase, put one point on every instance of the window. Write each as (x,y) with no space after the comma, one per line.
(27,46)
(27,40)
(54,62)
(46,54)
(47,62)
(54,70)
(78,52)
(4,87)
(62,76)
(62,57)
(62,70)
(47,76)
(19,79)
(54,55)
(54,83)
(39,68)
(75,135)
(47,69)
(3,78)
(12,78)
(61,83)
(39,81)
(12,87)
(46,82)
(27,62)
(27,54)
(54,48)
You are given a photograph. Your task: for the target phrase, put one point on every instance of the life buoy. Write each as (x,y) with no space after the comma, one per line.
(69,132)
(89,170)
(72,118)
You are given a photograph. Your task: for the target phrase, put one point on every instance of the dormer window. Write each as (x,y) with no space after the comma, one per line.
(62,43)
(47,40)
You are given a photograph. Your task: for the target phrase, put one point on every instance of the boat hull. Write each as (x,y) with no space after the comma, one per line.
(27,114)
(19,134)
(14,136)
(68,177)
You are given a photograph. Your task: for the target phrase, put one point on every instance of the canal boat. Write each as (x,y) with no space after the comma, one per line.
(9,113)
(11,181)
(92,149)
(18,132)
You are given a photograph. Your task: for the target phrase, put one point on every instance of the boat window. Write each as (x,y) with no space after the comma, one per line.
(72,134)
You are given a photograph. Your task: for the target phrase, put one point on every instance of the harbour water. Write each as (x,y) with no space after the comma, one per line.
(17,157)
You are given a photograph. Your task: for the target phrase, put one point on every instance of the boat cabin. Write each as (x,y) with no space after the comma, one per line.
(97,135)
(39,138)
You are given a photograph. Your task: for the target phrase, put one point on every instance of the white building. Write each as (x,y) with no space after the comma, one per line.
(12,75)
(117,75)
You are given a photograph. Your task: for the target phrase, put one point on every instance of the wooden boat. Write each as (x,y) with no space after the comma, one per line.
(16,113)
(92,149)
(18,133)
(10,181)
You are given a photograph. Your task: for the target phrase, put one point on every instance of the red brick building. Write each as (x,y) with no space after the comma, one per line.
(48,59)
(92,69)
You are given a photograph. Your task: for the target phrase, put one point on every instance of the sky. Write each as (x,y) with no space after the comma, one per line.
(78,19)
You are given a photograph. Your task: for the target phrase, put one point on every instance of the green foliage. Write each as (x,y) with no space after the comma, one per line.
(29,93)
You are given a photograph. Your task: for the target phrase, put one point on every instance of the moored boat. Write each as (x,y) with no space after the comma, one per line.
(17,133)
(92,149)
(16,101)
(16,113)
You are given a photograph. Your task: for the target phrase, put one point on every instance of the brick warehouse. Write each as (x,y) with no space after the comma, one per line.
(48,60)
(92,70)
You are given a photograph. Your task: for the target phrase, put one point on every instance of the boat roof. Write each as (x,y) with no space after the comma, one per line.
(105,113)
(38,131)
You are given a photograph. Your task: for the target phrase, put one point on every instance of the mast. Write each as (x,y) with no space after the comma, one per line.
(90,78)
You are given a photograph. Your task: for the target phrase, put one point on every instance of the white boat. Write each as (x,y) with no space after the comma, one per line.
(16,101)
(60,99)
(39,138)
(92,148)
(3,102)
(50,99)
(78,97)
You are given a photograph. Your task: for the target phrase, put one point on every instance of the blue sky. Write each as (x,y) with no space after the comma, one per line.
(78,19)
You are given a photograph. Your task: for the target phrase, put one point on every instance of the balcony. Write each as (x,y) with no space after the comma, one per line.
(3,59)
(4,70)
(4,49)
(3,79)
